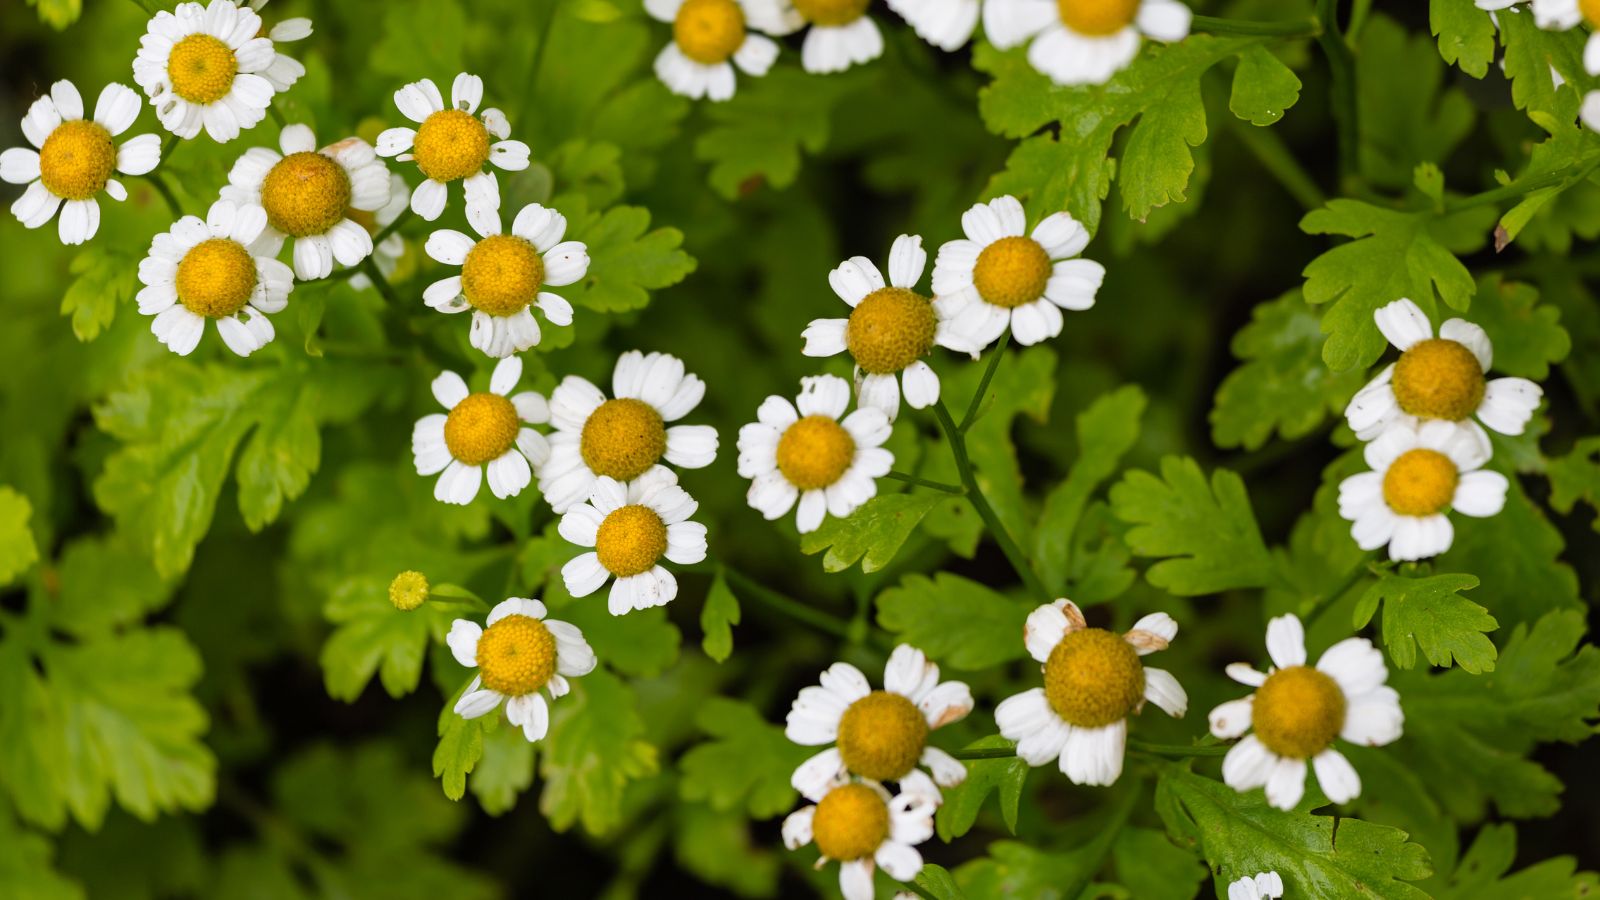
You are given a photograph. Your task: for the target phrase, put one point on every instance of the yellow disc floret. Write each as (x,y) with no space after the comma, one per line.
(831,12)
(709,31)
(890,328)
(451,144)
(630,540)
(1438,379)
(1097,18)
(1591,11)
(882,735)
(216,278)
(815,452)
(482,427)
(77,160)
(408,590)
(202,69)
(502,274)
(1298,712)
(305,194)
(1093,678)
(1420,482)
(517,655)
(623,438)
(851,822)
(1011,272)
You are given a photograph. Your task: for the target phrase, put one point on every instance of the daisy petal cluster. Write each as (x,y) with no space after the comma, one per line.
(482,433)
(518,653)
(711,38)
(632,528)
(1264,886)
(453,143)
(1078,42)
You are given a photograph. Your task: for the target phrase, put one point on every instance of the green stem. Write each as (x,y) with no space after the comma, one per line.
(1270,150)
(1297,28)
(1178,751)
(923,482)
(382,284)
(1342,71)
(983,383)
(746,586)
(165,190)
(277,116)
(987,753)
(392,227)
(169,145)
(1325,602)
(1517,189)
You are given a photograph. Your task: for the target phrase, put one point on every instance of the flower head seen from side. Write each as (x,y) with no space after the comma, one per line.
(840,33)
(946,24)
(517,655)
(220,269)
(74,158)
(1083,41)
(1093,681)
(627,435)
(504,276)
(1001,276)
(482,432)
(1298,710)
(712,37)
(890,329)
(453,143)
(210,67)
(880,735)
(1417,475)
(861,826)
(1265,886)
(815,454)
(632,528)
(309,194)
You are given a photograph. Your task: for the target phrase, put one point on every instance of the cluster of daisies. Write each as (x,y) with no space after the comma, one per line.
(1074,42)
(1562,15)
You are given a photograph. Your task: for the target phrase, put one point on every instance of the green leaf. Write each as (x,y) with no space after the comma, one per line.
(421,40)
(760,133)
(872,534)
(746,765)
(1465,33)
(627,260)
(1482,873)
(958,622)
(1105,431)
(1407,114)
(1024,385)
(1575,477)
(58,14)
(594,749)
(371,636)
(1534,57)
(963,802)
(1527,335)
(1208,529)
(25,865)
(505,771)
(1432,614)
(937,882)
(17,550)
(717,618)
(106,280)
(720,850)
(1263,87)
(1152,867)
(1516,554)
(459,749)
(105,584)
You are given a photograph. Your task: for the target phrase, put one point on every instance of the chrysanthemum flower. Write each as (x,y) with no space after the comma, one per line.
(211,66)
(946,24)
(1093,681)
(1419,473)
(632,527)
(826,462)
(1298,710)
(484,431)
(452,144)
(386,253)
(1083,41)
(1265,886)
(861,826)
(626,436)
(517,655)
(219,269)
(503,276)
(890,329)
(880,735)
(709,38)
(996,277)
(76,158)
(1439,378)
(841,34)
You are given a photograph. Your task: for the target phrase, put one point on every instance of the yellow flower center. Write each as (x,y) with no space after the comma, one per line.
(1591,11)
(408,590)
(202,69)
(216,278)
(451,144)
(481,428)
(1439,379)
(623,438)
(1011,272)
(890,328)
(831,12)
(305,193)
(502,274)
(881,736)
(709,31)
(815,452)
(1097,18)
(1420,483)
(630,540)
(77,159)
(851,822)
(516,655)
(1093,678)
(1298,712)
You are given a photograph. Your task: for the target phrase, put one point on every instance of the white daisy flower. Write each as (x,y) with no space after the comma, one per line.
(632,527)
(624,437)
(484,431)
(284,71)
(387,252)
(880,735)
(946,24)
(1298,710)
(452,144)
(1265,886)
(826,462)
(1417,474)
(1439,378)
(517,655)
(309,194)
(75,158)
(219,269)
(212,67)
(710,37)
(1093,681)
(1083,41)
(841,33)
(861,826)
(995,277)
(503,276)
(890,329)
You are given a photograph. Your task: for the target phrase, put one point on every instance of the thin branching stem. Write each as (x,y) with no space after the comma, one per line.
(923,482)
(983,383)
(1292,29)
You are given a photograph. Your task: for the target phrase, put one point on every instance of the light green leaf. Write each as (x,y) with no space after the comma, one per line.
(106,280)
(1575,477)
(1556,182)
(1533,59)
(717,618)
(505,771)
(1208,529)
(594,749)
(1465,33)
(937,882)
(720,850)
(958,622)
(1527,335)
(421,40)
(872,534)
(1263,87)
(1105,431)
(963,802)
(1152,867)
(371,636)
(105,585)
(17,550)
(1516,554)
(1482,873)
(745,766)
(627,260)
(460,747)
(758,136)
(1432,614)
(58,14)
(1408,115)
(25,865)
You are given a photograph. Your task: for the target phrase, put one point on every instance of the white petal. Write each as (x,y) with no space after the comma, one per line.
(1286,641)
